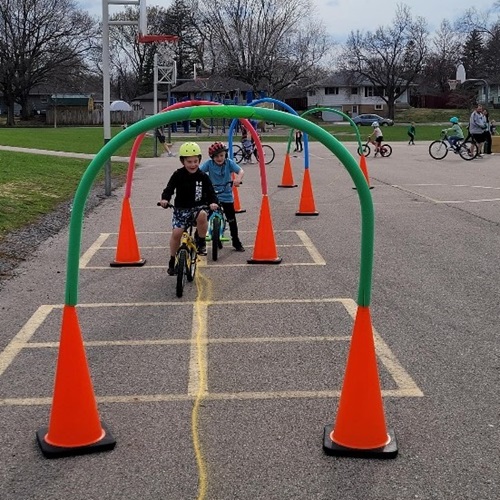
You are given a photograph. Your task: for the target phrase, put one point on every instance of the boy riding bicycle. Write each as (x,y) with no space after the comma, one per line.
(193,189)
(454,133)
(219,168)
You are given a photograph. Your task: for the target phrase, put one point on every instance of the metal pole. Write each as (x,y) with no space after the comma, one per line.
(106,93)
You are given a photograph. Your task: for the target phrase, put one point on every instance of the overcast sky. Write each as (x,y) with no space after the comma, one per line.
(344,16)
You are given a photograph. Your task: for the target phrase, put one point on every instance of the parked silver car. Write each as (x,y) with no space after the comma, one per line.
(368,119)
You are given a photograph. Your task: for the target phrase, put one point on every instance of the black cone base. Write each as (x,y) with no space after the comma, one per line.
(107,443)
(128,264)
(390,450)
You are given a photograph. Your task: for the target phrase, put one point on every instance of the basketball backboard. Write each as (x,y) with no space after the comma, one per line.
(460,72)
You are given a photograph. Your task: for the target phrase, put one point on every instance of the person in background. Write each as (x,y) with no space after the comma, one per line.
(160,135)
(298,141)
(454,133)
(411,134)
(477,127)
(220,169)
(193,190)
(487,133)
(376,137)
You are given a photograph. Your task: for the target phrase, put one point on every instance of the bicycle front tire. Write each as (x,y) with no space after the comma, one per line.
(191,271)
(215,238)
(438,150)
(269,154)
(385,150)
(182,271)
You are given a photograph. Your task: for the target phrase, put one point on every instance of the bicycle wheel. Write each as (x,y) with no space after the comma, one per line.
(182,271)
(268,154)
(192,264)
(468,150)
(237,153)
(438,149)
(365,151)
(215,237)
(386,150)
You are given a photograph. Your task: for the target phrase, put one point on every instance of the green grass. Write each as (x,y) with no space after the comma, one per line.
(70,139)
(33,185)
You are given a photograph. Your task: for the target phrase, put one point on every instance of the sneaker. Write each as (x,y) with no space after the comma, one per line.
(202,249)
(239,248)
(170,154)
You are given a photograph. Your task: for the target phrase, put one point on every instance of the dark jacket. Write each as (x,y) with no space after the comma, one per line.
(191,190)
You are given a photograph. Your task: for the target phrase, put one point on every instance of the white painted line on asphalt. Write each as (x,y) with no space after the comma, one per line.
(22,337)
(85,258)
(399,374)
(305,242)
(198,353)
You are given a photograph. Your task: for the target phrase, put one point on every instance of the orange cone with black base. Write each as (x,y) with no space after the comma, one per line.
(127,250)
(306,205)
(287,177)
(360,429)
(74,426)
(264,250)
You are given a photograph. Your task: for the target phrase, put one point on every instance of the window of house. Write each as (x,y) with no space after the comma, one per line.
(355,110)
(354,90)
(368,91)
(379,107)
(44,99)
(331,90)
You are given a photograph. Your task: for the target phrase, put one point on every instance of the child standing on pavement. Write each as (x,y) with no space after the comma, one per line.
(411,134)
(298,141)
(193,189)
(220,169)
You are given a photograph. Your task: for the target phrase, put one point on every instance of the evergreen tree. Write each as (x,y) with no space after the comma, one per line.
(472,55)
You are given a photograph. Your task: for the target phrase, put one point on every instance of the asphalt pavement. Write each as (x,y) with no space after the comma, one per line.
(224,393)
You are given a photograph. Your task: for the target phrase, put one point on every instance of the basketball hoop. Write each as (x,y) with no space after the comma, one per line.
(157,38)
(453,84)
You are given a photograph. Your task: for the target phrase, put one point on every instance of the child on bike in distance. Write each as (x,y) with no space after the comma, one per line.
(376,137)
(193,189)
(454,133)
(220,169)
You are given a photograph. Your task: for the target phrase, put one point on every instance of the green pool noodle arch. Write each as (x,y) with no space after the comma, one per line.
(249,112)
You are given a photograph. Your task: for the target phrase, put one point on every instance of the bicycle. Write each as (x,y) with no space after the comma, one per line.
(186,256)
(385,149)
(217,223)
(466,148)
(239,154)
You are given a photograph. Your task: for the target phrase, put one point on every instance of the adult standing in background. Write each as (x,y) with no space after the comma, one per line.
(477,128)
(487,133)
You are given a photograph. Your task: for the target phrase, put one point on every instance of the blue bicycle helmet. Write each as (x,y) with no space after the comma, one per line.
(453,119)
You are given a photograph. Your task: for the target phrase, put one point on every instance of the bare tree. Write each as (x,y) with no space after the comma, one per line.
(444,56)
(39,38)
(268,44)
(390,58)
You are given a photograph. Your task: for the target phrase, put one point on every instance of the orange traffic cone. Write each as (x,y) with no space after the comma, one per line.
(74,426)
(360,429)
(364,169)
(287,177)
(237,204)
(127,250)
(306,206)
(264,250)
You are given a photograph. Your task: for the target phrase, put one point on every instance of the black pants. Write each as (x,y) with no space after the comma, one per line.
(231,220)
(487,143)
(412,138)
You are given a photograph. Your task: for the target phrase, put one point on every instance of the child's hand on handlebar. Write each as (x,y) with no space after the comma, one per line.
(164,204)
(213,206)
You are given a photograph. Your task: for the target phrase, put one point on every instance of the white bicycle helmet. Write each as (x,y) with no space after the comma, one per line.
(375,124)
